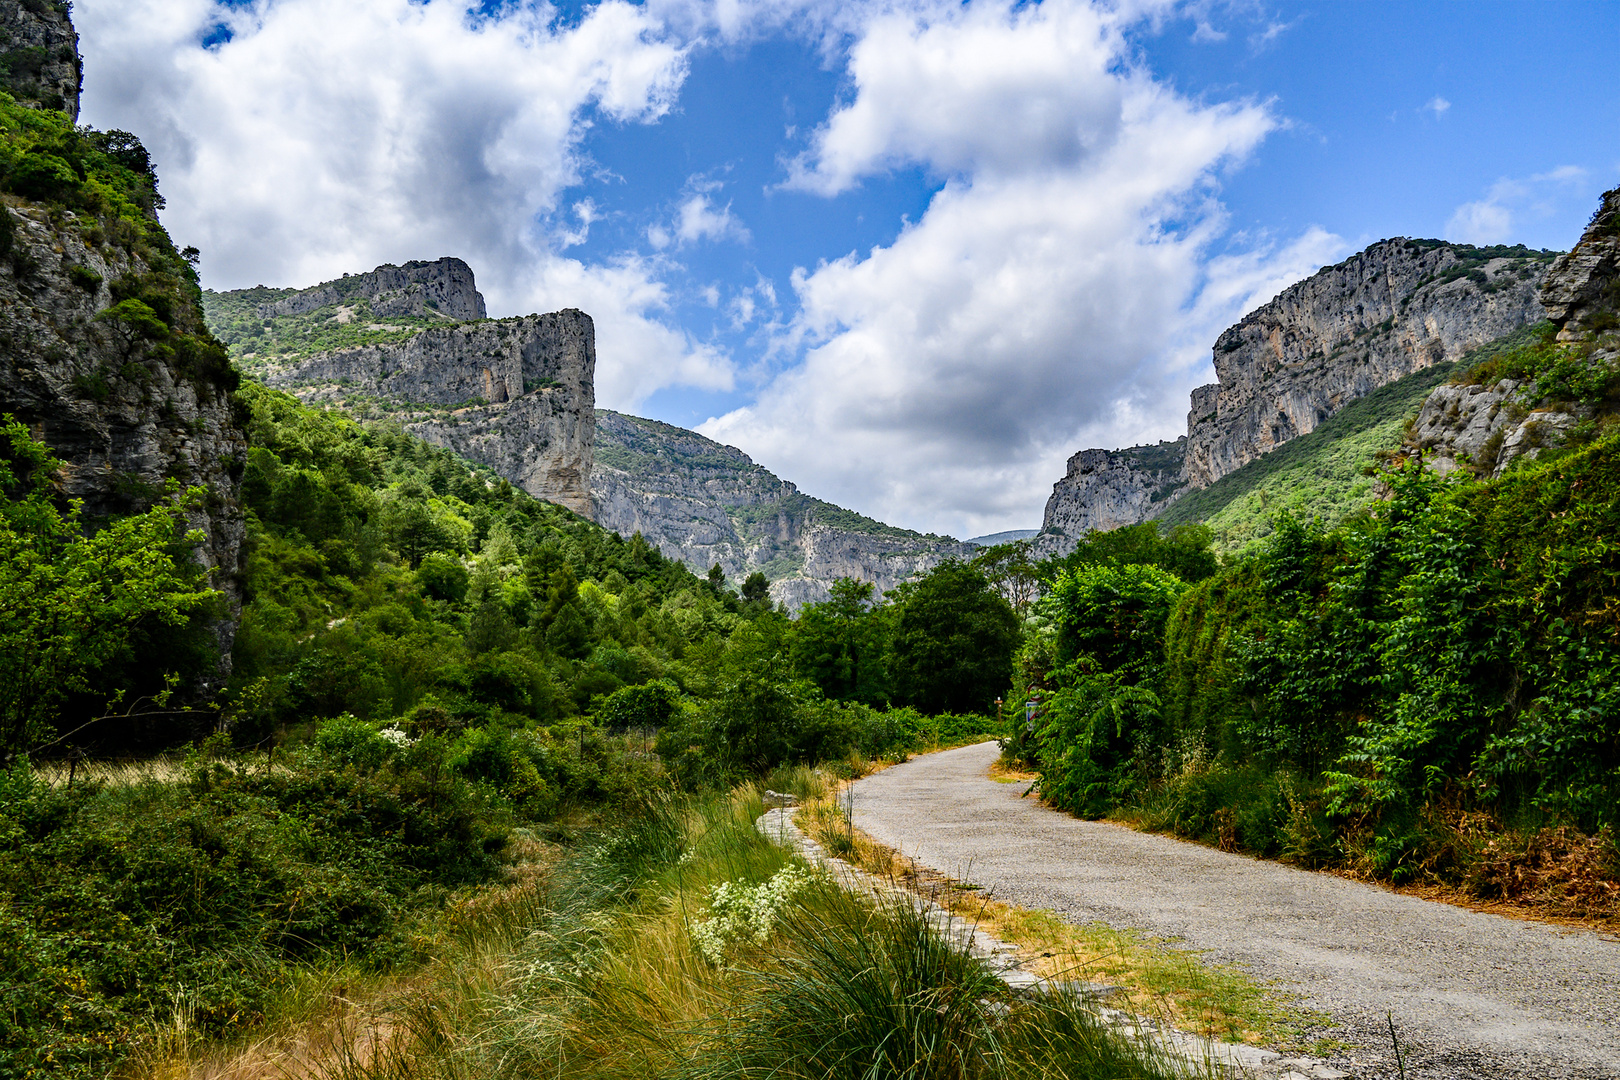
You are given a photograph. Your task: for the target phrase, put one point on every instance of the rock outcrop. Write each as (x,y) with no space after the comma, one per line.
(121,413)
(1109,489)
(39,54)
(1484,426)
(515,394)
(443,288)
(1399,306)
(705,503)
(1396,308)
(1582,291)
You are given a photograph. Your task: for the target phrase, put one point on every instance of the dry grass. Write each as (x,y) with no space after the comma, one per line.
(112,773)
(343,1021)
(1154,978)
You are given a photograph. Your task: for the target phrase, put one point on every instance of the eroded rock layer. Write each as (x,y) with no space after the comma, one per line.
(705,503)
(1399,306)
(515,394)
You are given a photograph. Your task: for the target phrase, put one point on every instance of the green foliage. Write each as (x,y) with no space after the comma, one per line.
(1113,615)
(1182,550)
(129,907)
(953,642)
(841,644)
(74,608)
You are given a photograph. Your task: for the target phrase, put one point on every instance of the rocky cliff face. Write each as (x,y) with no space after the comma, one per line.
(515,394)
(39,54)
(1397,307)
(444,288)
(1109,489)
(705,503)
(1582,291)
(1391,310)
(125,414)
(1484,425)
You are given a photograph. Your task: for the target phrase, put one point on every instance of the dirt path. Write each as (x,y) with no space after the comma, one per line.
(1473,995)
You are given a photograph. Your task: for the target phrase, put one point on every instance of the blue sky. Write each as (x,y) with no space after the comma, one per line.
(909,255)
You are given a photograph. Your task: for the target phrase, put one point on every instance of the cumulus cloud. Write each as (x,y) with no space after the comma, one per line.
(1495,218)
(1048,299)
(318,138)
(1437,105)
(978,89)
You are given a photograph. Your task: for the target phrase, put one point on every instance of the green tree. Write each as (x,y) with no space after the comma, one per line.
(840,643)
(1114,615)
(72,606)
(954,639)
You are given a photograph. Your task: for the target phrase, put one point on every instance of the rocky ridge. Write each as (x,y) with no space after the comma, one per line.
(1484,425)
(444,288)
(39,55)
(1393,309)
(705,503)
(1108,489)
(517,395)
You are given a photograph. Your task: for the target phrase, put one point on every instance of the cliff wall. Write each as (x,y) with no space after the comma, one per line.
(1485,423)
(515,394)
(1394,309)
(1397,307)
(444,287)
(103,349)
(705,503)
(1109,489)
(39,55)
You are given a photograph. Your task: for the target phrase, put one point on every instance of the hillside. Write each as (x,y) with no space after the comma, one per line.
(705,503)
(412,343)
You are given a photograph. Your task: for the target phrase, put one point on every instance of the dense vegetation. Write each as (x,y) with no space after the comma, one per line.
(1426,692)
(427,659)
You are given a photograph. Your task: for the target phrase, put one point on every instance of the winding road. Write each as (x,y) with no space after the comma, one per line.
(1472,994)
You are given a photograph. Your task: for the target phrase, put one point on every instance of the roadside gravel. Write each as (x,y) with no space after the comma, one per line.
(1472,995)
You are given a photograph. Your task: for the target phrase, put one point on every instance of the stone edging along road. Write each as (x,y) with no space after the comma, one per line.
(1472,994)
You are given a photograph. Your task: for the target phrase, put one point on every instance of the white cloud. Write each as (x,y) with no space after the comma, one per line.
(1056,293)
(1437,105)
(1496,218)
(323,138)
(699,219)
(979,89)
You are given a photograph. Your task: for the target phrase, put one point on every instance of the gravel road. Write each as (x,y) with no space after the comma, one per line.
(1473,995)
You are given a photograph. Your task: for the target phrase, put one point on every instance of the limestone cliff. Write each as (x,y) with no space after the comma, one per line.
(705,503)
(1109,489)
(515,394)
(1484,423)
(1396,308)
(39,55)
(1399,306)
(444,288)
(103,350)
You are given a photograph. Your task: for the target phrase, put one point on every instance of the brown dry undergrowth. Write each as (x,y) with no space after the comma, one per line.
(1173,984)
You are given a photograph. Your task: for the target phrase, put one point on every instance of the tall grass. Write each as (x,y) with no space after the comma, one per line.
(604,981)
